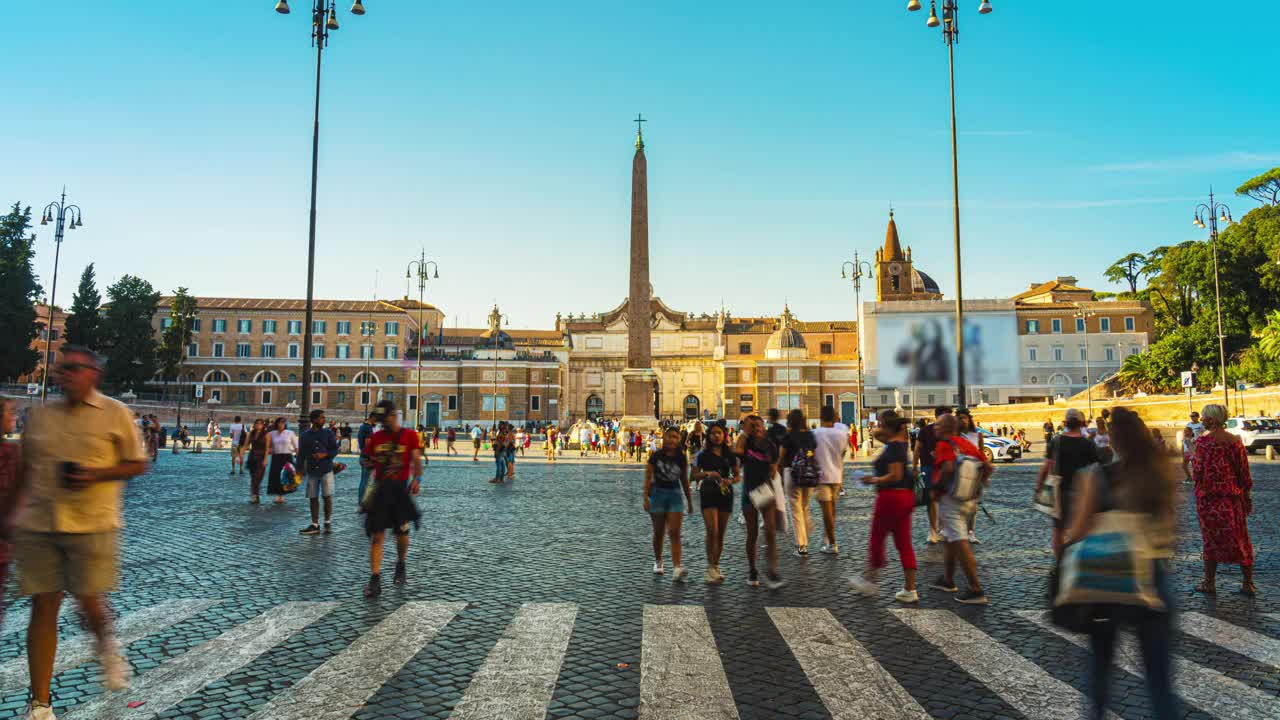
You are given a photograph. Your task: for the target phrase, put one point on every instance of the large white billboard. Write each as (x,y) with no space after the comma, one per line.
(920,349)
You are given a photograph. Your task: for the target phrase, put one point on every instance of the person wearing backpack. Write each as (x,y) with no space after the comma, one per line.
(960,471)
(801,475)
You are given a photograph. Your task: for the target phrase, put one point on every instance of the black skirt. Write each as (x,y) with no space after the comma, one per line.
(274,486)
(390,508)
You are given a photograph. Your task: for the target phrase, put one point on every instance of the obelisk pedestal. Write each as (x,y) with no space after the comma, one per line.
(639,381)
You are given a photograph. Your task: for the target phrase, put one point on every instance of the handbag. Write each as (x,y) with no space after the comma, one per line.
(920,489)
(1048,499)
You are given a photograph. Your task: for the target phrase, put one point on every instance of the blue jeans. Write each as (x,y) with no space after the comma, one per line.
(364,483)
(1154,629)
(501,461)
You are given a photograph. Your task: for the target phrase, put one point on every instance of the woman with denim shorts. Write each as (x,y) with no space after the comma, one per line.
(666,497)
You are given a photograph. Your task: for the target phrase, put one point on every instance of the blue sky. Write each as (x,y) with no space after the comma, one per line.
(496,134)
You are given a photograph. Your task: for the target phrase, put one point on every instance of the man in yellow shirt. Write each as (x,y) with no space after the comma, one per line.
(77,454)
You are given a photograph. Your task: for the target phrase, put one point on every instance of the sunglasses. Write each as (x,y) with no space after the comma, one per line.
(72,367)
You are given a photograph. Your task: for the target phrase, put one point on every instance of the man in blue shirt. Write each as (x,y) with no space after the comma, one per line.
(317,447)
(367,429)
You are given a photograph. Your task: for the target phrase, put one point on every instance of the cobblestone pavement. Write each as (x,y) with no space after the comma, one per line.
(535,599)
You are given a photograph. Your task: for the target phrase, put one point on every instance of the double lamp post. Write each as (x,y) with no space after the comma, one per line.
(1214,212)
(63,216)
(418,268)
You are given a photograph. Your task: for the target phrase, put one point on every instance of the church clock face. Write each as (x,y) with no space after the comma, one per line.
(895,269)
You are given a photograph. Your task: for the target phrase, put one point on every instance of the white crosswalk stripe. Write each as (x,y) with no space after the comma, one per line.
(681,677)
(1221,696)
(341,686)
(79,649)
(1020,682)
(850,682)
(167,685)
(1238,640)
(519,675)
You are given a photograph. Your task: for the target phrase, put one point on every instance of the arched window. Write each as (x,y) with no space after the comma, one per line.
(691,407)
(217,376)
(595,406)
(319,376)
(342,377)
(391,378)
(266,376)
(293,377)
(366,378)
(243,377)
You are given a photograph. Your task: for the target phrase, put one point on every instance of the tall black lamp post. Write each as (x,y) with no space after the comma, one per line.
(418,268)
(855,270)
(63,216)
(324,18)
(951,35)
(1214,212)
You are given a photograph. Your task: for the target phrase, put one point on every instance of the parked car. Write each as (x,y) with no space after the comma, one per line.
(1255,432)
(999,448)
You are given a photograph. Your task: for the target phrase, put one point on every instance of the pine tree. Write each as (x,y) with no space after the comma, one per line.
(84,320)
(19,292)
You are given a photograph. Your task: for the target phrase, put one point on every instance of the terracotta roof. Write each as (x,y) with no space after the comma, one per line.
(298,305)
(892,247)
(1048,287)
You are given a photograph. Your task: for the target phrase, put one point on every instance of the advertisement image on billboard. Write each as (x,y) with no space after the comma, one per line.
(920,349)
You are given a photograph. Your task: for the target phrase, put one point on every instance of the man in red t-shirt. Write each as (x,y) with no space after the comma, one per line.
(954,514)
(394,454)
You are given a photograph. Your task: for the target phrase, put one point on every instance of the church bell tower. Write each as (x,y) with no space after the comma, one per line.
(894,273)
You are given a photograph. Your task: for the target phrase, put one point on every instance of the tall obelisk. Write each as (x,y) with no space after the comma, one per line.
(638,379)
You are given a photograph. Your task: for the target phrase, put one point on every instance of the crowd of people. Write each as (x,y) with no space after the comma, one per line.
(61,491)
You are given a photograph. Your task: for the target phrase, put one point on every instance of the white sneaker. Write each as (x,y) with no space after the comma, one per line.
(933,538)
(115,670)
(829,549)
(860,584)
(40,712)
(973,539)
(657,568)
(680,574)
(907,597)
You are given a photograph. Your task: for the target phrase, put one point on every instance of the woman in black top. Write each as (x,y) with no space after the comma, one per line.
(666,492)
(716,467)
(895,501)
(1068,453)
(759,457)
(799,439)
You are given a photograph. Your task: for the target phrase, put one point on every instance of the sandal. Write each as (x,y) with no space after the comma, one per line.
(1206,588)
(1249,589)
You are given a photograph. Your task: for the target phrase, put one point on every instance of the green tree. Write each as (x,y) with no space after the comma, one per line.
(1127,269)
(86,308)
(1269,337)
(1265,188)
(19,292)
(127,337)
(176,337)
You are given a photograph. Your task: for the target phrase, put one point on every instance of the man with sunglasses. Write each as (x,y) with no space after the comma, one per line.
(77,455)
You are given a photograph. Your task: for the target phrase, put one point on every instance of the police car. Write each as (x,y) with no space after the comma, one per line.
(1255,432)
(1000,448)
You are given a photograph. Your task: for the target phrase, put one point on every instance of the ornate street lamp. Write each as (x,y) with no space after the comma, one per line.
(418,268)
(951,35)
(855,270)
(1215,211)
(62,215)
(324,19)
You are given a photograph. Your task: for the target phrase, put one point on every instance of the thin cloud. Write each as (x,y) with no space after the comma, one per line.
(1218,161)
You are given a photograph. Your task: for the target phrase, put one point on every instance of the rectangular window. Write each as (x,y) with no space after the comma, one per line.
(1033,327)
(1084,353)
(344,327)
(1057,325)
(1130,324)
(242,397)
(244,326)
(1104,325)
(368,328)
(294,351)
(413,402)
(242,350)
(744,348)
(1079,325)
(340,397)
(216,394)
(391,328)
(366,352)
(1109,353)
(364,397)
(788,402)
(932,399)
(268,350)
(266,397)
(217,349)
(295,327)
(452,403)
(884,399)
(826,348)
(166,323)
(390,352)
(195,325)
(343,351)
(317,350)
(315,397)
(268,327)
(1134,349)
(535,403)
(292,395)
(388,395)
(1031,354)
(219,325)
(318,326)
(1057,354)
(785,374)
(829,401)
(486,403)
(193,350)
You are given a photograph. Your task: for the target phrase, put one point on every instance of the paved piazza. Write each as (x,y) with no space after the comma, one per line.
(535,599)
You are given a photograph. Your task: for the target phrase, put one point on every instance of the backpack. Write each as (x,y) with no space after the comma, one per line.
(966,479)
(805,471)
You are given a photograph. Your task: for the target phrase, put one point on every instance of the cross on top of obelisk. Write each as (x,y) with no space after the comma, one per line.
(639,130)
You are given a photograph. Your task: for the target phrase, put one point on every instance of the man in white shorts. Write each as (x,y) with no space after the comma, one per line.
(833,440)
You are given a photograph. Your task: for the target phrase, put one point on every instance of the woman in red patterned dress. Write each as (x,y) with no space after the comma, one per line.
(1224,500)
(10,489)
